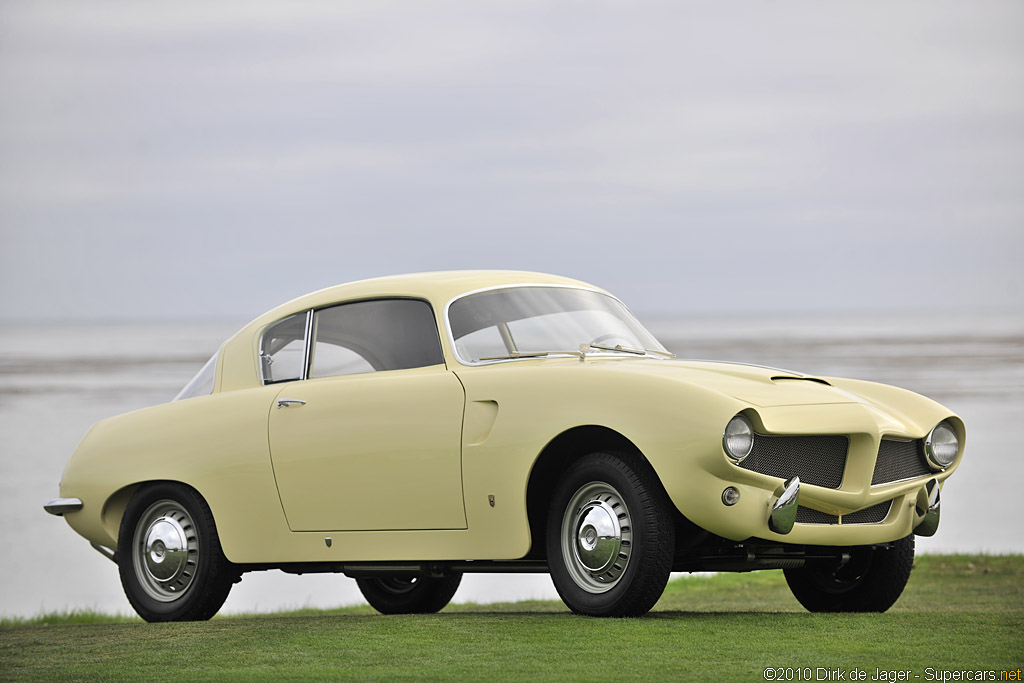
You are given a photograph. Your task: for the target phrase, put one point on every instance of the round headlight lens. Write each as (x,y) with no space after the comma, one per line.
(738,438)
(941,445)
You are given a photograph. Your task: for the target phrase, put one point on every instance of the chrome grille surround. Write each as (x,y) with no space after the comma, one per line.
(817,460)
(899,461)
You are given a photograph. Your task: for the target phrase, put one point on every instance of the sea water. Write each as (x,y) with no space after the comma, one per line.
(58,379)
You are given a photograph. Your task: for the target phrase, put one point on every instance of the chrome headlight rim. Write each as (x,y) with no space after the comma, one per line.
(738,428)
(937,446)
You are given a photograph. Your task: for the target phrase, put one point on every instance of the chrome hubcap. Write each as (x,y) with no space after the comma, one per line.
(166,552)
(596,537)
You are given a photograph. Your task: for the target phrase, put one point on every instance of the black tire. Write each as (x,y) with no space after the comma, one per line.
(169,555)
(871,581)
(600,496)
(409,594)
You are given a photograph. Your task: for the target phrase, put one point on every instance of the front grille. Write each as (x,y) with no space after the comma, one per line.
(811,516)
(899,460)
(817,460)
(871,515)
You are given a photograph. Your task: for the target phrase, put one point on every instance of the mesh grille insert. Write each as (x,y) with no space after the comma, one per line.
(871,515)
(898,460)
(809,516)
(817,460)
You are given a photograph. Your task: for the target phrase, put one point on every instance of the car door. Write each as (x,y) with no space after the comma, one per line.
(370,439)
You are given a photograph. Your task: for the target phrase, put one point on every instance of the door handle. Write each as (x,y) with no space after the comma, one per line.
(285,402)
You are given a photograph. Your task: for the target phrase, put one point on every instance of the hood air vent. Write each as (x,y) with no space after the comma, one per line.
(780,378)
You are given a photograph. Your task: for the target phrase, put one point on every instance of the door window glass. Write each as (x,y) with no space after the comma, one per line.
(372,336)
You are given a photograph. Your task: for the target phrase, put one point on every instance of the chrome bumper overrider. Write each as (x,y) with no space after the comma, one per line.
(930,523)
(783,514)
(105,552)
(59,506)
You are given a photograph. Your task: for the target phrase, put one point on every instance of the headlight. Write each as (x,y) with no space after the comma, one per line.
(738,438)
(941,445)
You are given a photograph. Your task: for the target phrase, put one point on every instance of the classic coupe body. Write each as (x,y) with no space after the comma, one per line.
(409,429)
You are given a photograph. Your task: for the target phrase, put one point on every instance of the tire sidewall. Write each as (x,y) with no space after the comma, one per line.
(427,596)
(596,468)
(878,587)
(187,605)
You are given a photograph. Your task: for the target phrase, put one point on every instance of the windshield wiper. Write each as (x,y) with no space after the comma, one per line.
(532,354)
(581,354)
(618,347)
(625,349)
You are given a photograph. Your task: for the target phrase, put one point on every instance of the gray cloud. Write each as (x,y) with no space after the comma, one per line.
(193,160)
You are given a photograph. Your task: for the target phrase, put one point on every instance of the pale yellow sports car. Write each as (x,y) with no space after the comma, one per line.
(407,430)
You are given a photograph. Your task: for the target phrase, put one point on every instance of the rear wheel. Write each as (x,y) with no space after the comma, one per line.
(409,595)
(169,556)
(610,537)
(870,581)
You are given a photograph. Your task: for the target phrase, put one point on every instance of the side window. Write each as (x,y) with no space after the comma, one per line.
(283,350)
(371,336)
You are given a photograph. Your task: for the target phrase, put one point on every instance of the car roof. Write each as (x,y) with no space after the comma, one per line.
(438,287)
(237,366)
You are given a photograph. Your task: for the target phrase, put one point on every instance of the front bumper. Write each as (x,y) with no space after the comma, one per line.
(61,506)
(855,507)
(770,513)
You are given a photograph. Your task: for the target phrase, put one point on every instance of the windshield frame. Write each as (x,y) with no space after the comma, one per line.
(550,354)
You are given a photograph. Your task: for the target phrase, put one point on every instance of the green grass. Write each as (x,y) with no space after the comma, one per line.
(958,613)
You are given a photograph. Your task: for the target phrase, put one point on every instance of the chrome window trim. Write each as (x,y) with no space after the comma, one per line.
(470,363)
(307,352)
(305,348)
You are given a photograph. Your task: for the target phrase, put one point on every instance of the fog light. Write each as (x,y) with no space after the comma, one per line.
(730,496)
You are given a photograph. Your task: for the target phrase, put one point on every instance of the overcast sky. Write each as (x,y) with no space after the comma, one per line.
(198,159)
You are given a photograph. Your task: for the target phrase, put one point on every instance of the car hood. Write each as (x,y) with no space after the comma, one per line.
(754,384)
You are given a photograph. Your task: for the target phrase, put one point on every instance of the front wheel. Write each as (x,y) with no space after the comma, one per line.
(409,595)
(870,580)
(169,556)
(610,537)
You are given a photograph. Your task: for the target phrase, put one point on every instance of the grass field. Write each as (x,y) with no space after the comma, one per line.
(959,613)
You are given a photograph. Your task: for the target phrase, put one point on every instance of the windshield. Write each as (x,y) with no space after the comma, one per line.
(202,383)
(532,321)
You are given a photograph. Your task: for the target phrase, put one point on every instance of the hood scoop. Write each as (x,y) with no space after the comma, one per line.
(790,378)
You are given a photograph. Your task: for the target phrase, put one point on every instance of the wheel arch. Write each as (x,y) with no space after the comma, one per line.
(117,502)
(557,456)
